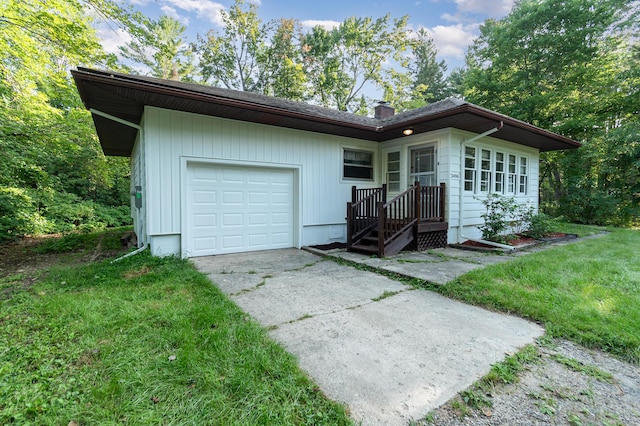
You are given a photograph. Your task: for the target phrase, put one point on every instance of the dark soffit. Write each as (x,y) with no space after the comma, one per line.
(125,96)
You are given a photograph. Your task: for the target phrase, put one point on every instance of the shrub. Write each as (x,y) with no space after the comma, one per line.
(498,217)
(18,214)
(539,225)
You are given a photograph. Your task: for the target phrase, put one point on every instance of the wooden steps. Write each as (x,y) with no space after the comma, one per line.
(412,220)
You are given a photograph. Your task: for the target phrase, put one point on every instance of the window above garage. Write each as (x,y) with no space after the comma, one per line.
(357,164)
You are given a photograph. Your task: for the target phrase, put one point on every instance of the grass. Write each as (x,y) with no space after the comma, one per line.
(143,341)
(588,292)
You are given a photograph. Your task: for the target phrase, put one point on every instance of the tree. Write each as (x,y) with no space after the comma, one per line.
(251,56)
(163,49)
(282,74)
(429,82)
(232,58)
(50,159)
(560,65)
(340,62)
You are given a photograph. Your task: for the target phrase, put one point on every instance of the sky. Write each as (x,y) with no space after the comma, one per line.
(453,24)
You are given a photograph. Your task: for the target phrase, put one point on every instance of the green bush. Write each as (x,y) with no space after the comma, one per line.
(504,216)
(498,217)
(539,225)
(18,214)
(41,211)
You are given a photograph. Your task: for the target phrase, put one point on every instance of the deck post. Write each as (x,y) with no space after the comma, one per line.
(349,225)
(417,201)
(381,229)
(441,203)
(354,191)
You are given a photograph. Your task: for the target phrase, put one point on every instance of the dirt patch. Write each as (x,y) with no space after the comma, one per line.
(21,265)
(561,389)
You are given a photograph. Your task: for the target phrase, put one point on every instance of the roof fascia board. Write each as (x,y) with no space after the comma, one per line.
(205,97)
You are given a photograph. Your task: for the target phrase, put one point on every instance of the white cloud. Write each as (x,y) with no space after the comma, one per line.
(329,25)
(452,40)
(112,38)
(173,13)
(204,9)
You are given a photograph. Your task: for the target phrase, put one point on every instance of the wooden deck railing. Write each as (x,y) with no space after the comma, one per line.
(432,203)
(397,216)
(369,212)
(362,211)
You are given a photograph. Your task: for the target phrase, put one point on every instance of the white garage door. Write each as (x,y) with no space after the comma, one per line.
(233,209)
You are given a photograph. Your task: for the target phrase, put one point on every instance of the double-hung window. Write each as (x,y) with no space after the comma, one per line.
(499,173)
(485,171)
(512,169)
(357,164)
(522,187)
(393,171)
(469,168)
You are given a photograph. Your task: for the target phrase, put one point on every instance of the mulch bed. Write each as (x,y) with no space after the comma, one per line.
(330,246)
(519,242)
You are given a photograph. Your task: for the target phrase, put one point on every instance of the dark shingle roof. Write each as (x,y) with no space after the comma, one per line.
(125,96)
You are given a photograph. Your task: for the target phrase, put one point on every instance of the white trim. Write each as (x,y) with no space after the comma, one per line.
(297,193)
(374,157)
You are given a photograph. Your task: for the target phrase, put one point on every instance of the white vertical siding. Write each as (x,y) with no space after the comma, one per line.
(472,201)
(137,163)
(171,135)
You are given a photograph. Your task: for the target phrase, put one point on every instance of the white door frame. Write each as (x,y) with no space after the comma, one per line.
(297,193)
(411,150)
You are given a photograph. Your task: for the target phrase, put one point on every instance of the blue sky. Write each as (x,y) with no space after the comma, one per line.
(453,24)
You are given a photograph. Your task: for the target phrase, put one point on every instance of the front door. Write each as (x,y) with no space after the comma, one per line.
(423,166)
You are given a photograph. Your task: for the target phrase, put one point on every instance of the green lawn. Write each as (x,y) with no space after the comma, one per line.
(143,341)
(588,292)
(151,341)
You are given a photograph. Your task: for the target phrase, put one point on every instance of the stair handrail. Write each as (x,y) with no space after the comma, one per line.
(362,214)
(397,215)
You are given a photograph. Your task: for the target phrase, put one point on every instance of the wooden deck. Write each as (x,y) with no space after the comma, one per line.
(412,220)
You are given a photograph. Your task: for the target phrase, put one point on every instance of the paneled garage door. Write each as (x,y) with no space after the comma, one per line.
(233,209)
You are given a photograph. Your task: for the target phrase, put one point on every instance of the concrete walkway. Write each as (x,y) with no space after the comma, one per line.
(388,352)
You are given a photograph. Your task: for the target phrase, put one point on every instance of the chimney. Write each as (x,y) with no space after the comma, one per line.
(383,110)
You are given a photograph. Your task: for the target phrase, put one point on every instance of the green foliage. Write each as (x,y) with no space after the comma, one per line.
(570,66)
(501,215)
(163,49)
(17,214)
(50,159)
(147,340)
(429,80)
(340,61)
(539,224)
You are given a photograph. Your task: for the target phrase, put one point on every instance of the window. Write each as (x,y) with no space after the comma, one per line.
(393,171)
(358,164)
(469,168)
(485,171)
(522,187)
(511,188)
(499,173)
(423,165)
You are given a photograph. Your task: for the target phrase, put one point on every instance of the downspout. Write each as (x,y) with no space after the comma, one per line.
(461,236)
(139,128)
(139,250)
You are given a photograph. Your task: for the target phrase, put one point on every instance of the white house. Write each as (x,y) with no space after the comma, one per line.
(220,171)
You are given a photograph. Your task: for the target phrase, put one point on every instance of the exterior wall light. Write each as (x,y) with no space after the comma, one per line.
(408,131)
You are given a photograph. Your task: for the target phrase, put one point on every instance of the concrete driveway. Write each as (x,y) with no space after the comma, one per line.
(387,351)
